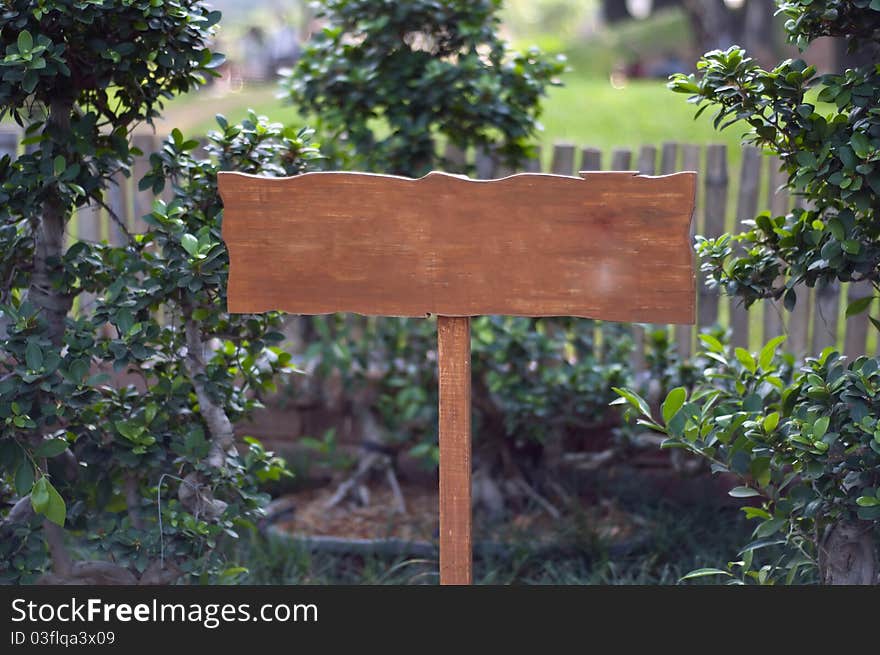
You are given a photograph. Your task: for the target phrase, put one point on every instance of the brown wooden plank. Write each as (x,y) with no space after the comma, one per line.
(563,159)
(746,209)
(454,367)
(613,246)
(591,159)
(716,182)
(684,334)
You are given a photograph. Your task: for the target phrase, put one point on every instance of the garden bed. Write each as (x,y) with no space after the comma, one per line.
(376,529)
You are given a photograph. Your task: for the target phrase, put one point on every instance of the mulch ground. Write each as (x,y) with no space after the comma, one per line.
(602,520)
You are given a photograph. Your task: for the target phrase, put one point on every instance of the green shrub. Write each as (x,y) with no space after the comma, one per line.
(805,445)
(113,482)
(828,144)
(387,81)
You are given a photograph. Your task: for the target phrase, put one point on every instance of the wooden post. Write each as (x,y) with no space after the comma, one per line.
(454,362)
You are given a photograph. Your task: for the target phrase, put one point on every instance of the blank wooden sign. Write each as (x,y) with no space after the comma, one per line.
(611,246)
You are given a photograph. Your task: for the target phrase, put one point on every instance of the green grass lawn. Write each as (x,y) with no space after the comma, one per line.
(591,112)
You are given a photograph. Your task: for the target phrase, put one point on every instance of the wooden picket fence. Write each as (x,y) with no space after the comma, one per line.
(725,198)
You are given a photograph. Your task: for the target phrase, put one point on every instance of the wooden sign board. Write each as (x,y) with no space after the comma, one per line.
(612,246)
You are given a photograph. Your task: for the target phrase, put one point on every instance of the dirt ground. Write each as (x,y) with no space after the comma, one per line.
(349,520)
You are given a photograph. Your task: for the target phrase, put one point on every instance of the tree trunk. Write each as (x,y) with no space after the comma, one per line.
(49,245)
(52,304)
(848,554)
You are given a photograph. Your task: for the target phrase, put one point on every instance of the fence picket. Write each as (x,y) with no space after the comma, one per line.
(456,158)
(826,305)
(533,163)
(484,164)
(668,158)
(9,143)
(591,159)
(142,201)
(647,160)
(746,209)
(715,210)
(855,343)
(684,334)
(117,201)
(647,165)
(778,202)
(563,159)
(621,159)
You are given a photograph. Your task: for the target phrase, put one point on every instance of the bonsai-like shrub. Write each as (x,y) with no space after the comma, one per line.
(805,444)
(392,81)
(112,482)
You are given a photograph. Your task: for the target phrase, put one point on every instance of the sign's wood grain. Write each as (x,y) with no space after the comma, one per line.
(611,246)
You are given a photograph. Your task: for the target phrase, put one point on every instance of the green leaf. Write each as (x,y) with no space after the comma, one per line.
(635,400)
(33,356)
(790,299)
(25,42)
(702,573)
(851,247)
(51,448)
(861,144)
(743,492)
(56,510)
(59,165)
(674,400)
(711,343)
(770,422)
(24,477)
(745,358)
(217,60)
(40,496)
(867,501)
(768,528)
(756,513)
(190,244)
(760,470)
(30,80)
(858,306)
(768,352)
(820,427)
(129,429)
